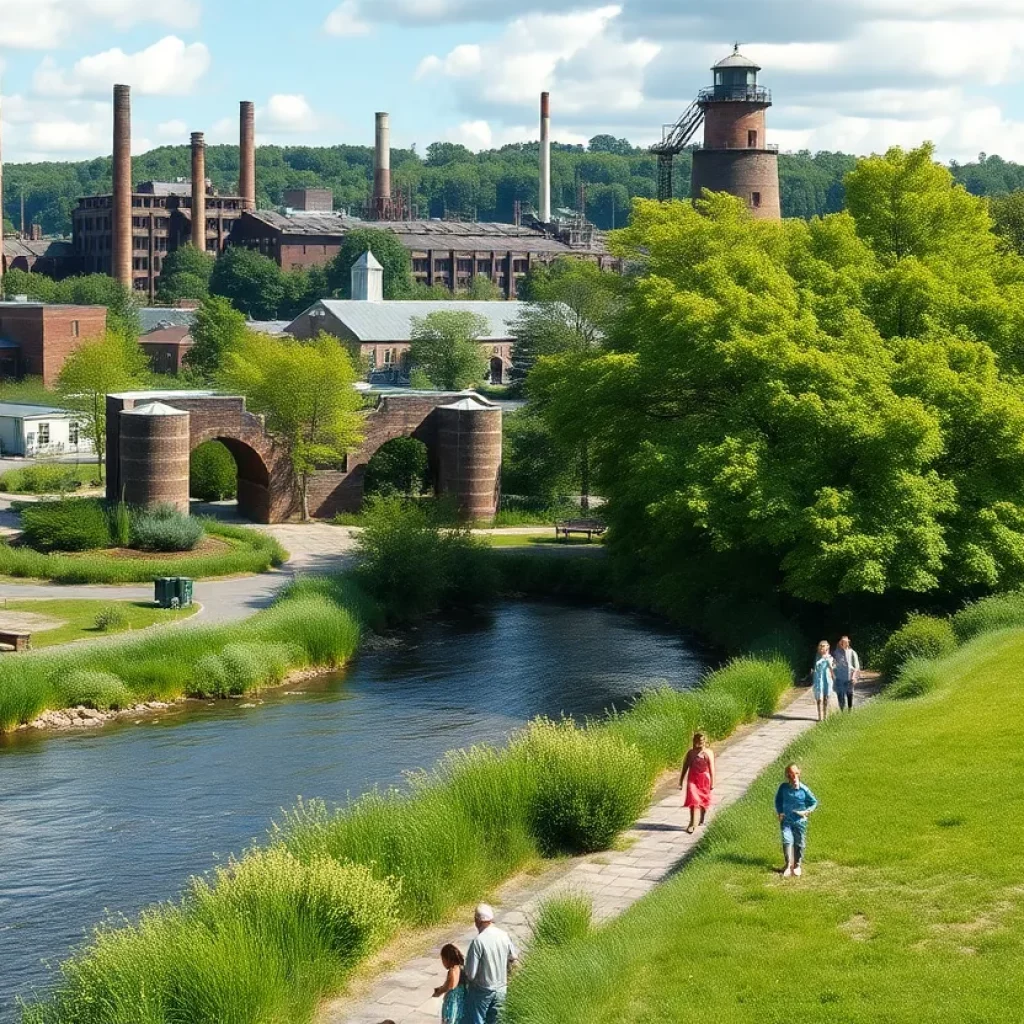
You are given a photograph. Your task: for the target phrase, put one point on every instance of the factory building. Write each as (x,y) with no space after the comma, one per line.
(38,254)
(36,338)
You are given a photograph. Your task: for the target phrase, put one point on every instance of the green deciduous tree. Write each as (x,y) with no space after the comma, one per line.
(94,370)
(304,389)
(1008,218)
(217,326)
(446,347)
(185,274)
(398,467)
(252,282)
(389,252)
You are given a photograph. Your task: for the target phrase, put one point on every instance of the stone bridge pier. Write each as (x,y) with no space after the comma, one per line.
(151,434)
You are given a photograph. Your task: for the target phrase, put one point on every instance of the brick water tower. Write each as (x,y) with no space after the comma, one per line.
(736,157)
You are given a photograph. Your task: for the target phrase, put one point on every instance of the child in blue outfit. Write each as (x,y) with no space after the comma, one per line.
(793,803)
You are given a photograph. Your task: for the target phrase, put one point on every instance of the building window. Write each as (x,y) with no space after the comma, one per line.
(74,328)
(755,199)
(73,434)
(465,266)
(388,357)
(752,139)
(43,435)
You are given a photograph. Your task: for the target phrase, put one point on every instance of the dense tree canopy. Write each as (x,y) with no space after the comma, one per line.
(825,408)
(87,290)
(185,274)
(446,350)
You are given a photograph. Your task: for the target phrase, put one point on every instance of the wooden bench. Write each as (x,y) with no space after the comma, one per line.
(591,527)
(15,642)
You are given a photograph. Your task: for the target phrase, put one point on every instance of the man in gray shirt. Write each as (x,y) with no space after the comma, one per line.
(488,959)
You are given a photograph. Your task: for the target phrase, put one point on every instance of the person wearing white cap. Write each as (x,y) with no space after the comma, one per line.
(488,960)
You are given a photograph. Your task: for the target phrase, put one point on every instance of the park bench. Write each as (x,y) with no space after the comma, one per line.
(14,642)
(591,527)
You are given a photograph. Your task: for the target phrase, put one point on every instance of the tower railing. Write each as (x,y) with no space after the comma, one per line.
(734,94)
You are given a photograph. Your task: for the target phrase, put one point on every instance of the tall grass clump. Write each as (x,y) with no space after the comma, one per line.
(92,689)
(1001,611)
(71,524)
(563,919)
(921,636)
(243,667)
(916,677)
(756,684)
(110,618)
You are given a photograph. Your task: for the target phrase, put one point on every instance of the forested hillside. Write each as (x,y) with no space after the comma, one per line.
(451,180)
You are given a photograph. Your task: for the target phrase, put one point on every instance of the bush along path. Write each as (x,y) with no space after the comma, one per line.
(648,853)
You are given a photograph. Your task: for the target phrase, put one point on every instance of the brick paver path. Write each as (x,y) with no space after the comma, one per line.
(614,880)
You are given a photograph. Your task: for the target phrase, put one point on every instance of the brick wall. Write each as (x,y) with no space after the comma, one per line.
(49,334)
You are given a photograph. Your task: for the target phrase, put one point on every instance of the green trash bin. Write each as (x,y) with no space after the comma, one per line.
(163,591)
(183,591)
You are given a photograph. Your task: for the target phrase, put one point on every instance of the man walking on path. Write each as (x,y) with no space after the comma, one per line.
(488,959)
(847,672)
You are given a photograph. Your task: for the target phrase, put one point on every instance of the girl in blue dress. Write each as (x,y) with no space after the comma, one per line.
(823,679)
(454,987)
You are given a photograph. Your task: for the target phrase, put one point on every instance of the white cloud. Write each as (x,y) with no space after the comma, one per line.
(173,131)
(346,21)
(477,135)
(169,67)
(43,24)
(287,114)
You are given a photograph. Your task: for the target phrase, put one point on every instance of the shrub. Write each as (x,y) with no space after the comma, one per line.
(213,475)
(52,478)
(244,667)
(164,528)
(1000,611)
(593,785)
(661,723)
(92,689)
(398,467)
(921,636)
(110,618)
(756,684)
(916,677)
(720,713)
(66,525)
(563,919)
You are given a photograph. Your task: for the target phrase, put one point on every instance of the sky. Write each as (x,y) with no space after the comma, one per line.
(850,75)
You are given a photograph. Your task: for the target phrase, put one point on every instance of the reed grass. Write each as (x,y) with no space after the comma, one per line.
(563,919)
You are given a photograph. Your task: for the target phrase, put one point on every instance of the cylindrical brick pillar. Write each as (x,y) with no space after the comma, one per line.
(154,449)
(121,213)
(199,191)
(247,155)
(469,457)
(382,163)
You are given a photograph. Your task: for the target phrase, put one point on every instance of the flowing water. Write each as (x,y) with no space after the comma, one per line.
(112,820)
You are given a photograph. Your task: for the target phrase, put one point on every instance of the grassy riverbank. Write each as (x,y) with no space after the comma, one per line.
(240,550)
(910,908)
(269,936)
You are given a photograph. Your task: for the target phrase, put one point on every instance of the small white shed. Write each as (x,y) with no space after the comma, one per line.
(32,430)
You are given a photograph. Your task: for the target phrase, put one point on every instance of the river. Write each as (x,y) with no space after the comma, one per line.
(112,820)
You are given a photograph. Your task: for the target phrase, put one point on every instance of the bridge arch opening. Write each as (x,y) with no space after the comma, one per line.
(252,490)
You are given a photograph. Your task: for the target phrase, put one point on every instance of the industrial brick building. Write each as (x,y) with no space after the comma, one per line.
(449,253)
(36,339)
(161,220)
(37,254)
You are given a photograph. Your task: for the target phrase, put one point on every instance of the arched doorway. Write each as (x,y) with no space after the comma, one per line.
(497,370)
(250,486)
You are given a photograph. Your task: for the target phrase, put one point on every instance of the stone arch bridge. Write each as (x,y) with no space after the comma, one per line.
(151,435)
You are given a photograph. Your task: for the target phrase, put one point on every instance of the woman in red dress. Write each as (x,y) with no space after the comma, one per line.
(698,776)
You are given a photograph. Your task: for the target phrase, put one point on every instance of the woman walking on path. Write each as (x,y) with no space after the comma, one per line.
(454,987)
(793,803)
(823,679)
(698,776)
(847,672)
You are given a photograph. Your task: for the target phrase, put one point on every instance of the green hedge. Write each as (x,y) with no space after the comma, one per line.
(1001,611)
(921,636)
(251,551)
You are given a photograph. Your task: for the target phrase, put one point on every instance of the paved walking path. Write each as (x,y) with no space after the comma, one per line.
(615,880)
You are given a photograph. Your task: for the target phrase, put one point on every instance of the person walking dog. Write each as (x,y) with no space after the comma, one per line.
(847,672)
(488,960)
(793,804)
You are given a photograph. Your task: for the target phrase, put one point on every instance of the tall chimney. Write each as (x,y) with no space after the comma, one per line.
(247,155)
(199,191)
(545,158)
(382,165)
(121,214)
(1,195)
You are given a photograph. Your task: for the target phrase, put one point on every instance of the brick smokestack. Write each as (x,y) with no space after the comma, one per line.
(545,158)
(1,197)
(247,155)
(382,164)
(121,214)
(199,191)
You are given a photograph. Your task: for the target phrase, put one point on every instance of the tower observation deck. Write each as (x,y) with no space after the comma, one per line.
(735,156)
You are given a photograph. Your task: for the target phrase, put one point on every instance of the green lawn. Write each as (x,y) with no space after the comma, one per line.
(522,540)
(39,478)
(912,903)
(79,618)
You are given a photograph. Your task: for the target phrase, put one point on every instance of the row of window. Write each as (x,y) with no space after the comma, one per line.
(42,434)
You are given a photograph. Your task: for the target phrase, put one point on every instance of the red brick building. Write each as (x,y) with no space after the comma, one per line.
(449,253)
(36,339)
(166,346)
(54,257)
(161,221)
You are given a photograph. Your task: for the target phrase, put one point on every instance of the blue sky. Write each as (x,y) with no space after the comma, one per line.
(856,75)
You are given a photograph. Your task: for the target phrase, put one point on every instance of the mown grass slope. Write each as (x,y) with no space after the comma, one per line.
(912,903)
